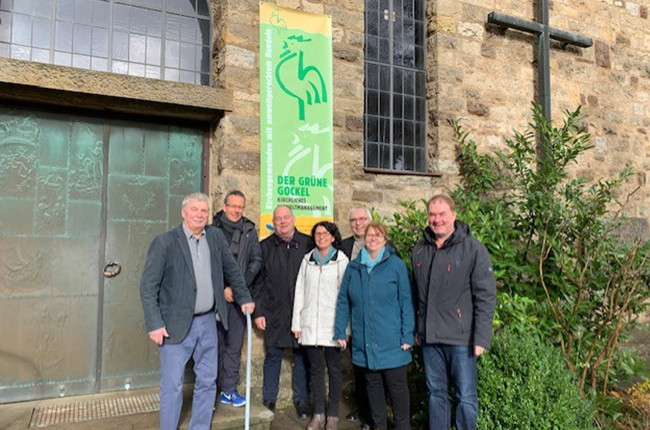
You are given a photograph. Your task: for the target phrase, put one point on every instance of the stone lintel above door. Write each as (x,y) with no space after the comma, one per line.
(48,84)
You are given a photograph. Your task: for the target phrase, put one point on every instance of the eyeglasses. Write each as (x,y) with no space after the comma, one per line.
(374,236)
(360,219)
(322,234)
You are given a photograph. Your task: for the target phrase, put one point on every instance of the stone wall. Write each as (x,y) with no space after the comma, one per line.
(487,76)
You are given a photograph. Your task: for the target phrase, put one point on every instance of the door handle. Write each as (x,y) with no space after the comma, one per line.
(112,269)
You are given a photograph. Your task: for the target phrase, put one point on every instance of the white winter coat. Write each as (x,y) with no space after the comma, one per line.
(314,306)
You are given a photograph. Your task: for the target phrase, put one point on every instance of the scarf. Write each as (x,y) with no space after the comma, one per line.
(366,261)
(323,261)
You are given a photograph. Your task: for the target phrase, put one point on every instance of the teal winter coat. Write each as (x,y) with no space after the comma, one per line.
(379,308)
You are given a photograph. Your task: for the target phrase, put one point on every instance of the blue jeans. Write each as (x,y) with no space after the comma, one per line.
(445,364)
(200,343)
(272,368)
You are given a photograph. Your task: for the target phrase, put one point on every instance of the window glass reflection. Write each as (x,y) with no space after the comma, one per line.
(145,36)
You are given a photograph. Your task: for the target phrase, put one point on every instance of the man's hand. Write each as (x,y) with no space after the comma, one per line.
(296,334)
(227,293)
(158,336)
(250,307)
(260,322)
(406,346)
(478,350)
(342,343)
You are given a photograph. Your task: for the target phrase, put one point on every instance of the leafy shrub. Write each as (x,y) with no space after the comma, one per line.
(525,384)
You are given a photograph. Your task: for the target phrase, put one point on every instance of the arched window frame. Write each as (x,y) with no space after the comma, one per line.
(160,39)
(395,106)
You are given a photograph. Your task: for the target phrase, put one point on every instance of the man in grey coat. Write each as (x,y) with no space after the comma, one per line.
(455,307)
(182,293)
(245,247)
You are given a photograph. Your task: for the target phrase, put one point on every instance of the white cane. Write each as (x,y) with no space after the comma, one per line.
(249,344)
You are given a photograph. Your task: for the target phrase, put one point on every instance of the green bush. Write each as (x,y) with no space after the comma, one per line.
(525,384)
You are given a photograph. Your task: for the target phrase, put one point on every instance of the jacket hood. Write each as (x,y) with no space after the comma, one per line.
(216,221)
(461,231)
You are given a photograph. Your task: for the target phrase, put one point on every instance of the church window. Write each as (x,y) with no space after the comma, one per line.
(395,94)
(160,39)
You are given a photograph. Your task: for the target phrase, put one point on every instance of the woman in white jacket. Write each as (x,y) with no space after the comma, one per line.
(314,312)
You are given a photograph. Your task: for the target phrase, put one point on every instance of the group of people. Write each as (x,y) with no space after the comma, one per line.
(319,295)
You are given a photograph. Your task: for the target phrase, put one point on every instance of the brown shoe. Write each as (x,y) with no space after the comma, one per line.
(332,423)
(317,422)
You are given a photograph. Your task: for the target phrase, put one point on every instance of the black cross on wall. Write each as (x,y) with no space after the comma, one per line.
(544,33)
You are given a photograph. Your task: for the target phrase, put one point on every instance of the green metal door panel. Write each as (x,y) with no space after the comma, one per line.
(54,241)
(126,152)
(49,272)
(151,168)
(185,160)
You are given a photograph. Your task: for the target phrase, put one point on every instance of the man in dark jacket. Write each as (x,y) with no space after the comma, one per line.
(456,299)
(244,245)
(182,293)
(282,253)
(359,218)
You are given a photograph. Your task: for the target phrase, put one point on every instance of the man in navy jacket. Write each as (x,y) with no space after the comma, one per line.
(456,299)
(182,293)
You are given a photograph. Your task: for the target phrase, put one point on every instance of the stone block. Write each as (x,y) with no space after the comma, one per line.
(622,40)
(240,160)
(240,57)
(602,54)
(243,36)
(245,124)
(356,39)
(450,8)
(308,6)
(632,8)
(373,197)
(475,13)
(643,12)
(337,35)
(478,109)
(346,53)
(471,29)
(291,4)
(592,100)
(346,19)
(488,51)
(445,24)
(353,5)
(354,123)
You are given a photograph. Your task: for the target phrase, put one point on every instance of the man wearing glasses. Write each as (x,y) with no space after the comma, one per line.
(359,218)
(244,245)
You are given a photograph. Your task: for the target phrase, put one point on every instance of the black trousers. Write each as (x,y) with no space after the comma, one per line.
(332,356)
(230,346)
(395,382)
(360,391)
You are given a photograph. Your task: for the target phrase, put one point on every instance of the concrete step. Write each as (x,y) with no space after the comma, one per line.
(17,416)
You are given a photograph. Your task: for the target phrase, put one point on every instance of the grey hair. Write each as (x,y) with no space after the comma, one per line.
(282,206)
(233,193)
(199,197)
(360,208)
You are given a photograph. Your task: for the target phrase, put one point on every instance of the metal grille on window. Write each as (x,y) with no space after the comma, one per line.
(160,39)
(395,104)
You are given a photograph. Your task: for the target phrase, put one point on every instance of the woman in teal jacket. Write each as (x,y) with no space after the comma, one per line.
(375,298)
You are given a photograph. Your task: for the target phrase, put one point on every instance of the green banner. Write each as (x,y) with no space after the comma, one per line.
(296,119)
